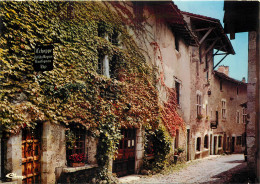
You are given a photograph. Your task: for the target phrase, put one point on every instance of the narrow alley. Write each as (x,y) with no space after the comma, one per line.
(213,169)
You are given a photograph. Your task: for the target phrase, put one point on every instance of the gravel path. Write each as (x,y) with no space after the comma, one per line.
(213,169)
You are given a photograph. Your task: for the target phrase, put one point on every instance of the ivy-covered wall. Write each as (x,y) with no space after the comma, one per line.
(74,92)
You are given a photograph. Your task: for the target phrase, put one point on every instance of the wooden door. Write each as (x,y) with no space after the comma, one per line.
(233,145)
(31,155)
(124,164)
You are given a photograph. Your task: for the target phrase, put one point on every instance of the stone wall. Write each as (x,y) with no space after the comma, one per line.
(53,151)
(139,150)
(251,103)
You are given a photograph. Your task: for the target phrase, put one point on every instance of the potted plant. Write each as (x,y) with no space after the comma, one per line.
(177,152)
(77,159)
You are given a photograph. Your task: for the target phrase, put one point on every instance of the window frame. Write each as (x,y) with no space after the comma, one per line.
(223,109)
(237,117)
(219,141)
(176,42)
(198,104)
(104,62)
(178,91)
(244,114)
(198,144)
(206,141)
(80,134)
(221,85)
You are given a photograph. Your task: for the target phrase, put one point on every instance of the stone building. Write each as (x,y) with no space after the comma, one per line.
(200,135)
(227,116)
(51,118)
(244,17)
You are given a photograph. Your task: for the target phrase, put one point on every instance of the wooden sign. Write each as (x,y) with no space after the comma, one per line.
(43,59)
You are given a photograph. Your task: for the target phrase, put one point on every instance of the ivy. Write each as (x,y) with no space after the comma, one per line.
(73,92)
(161,148)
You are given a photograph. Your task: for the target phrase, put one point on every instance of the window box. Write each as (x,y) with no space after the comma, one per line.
(77,164)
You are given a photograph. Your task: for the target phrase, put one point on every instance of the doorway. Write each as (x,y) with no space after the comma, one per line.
(124,164)
(215,146)
(188,144)
(31,155)
(233,145)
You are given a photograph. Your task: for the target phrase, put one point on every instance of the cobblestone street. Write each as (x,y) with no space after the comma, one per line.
(213,169)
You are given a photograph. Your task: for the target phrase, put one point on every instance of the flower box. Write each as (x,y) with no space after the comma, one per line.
(77,164)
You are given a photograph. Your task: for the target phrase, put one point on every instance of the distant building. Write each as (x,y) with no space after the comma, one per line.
(227,117)
(202,140)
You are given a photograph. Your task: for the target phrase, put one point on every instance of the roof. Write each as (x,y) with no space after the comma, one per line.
(225,77)
(200,23)
(240,16)
(169,12)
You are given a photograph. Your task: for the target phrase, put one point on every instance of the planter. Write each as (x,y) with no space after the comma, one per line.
(77,164)
(176,159)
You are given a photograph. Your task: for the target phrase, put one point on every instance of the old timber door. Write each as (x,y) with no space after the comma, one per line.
(31,152)
(124,164)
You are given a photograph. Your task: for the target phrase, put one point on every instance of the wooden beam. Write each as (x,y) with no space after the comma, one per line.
(220,61)
(232,36)
(211,47)
(215,53)
(205,36)
(220,54)
(202,29)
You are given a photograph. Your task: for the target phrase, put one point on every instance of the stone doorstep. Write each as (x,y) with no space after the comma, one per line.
(130,178)
(75,169)
(9,182)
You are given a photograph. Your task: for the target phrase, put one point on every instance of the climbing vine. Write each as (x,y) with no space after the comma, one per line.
(73,92)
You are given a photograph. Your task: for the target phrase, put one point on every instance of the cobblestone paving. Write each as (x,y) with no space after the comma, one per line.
(213,169)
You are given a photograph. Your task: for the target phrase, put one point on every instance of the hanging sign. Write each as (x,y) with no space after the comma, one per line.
(43,58)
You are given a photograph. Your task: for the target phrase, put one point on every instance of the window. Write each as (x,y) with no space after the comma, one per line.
(206,141)
(106,65)
(223,102)
(176,143)
(220,141)
(177,88)
(239,140)
(75,145)
(216,116)
(176,42)
(244,115)
(237,90)
(198,144)
(220,85)
(198,105)
(237,117)
(207,76)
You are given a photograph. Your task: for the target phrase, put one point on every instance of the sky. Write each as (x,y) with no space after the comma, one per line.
(237,63)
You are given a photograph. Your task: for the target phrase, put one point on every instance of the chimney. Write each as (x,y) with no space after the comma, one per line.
(224,69)
(244,79)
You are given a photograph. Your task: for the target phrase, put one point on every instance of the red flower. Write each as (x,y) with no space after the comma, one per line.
(77,157)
